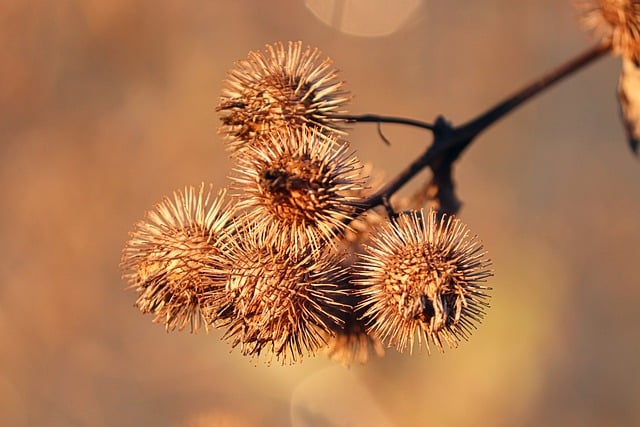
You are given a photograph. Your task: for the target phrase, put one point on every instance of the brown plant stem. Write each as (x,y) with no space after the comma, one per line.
(483,121)
(450,141)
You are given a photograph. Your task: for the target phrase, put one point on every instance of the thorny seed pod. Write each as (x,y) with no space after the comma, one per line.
(350,342)
(421,278)
(353,344)
(302,182)
(284,301)
(175,257)
(617,21)
(629,100)
(282,86)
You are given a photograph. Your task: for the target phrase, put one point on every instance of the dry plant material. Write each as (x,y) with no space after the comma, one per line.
(301,182)
(617,22)
(305,257)
(629,98)
(421,278)
(279,268)
(351,343)
(175,258)
(282,86)
(284,300)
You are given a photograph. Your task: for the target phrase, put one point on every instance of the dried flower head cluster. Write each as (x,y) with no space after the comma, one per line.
(278,266)
(617,22)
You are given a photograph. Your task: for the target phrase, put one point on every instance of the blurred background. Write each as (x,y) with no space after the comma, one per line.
(107,106)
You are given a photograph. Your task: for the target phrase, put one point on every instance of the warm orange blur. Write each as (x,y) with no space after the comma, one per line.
(107,105)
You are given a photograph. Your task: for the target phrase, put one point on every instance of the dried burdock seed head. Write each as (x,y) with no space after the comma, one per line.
(175,258)
(301,182)
(616,21)
(360,229)
(281,86)
(285,302)
(353,344)
(421,278)
(629,99)
(350,342)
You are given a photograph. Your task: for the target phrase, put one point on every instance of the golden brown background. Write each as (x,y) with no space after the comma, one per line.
(106,106)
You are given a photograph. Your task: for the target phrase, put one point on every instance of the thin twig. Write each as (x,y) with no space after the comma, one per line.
(449,141)
(374,118)
(474,127)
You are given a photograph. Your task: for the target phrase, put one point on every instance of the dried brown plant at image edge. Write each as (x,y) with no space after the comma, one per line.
(284,300)
(174,258)
(629,100)
(617,21)
(301,182)
(421,278)
(282,86)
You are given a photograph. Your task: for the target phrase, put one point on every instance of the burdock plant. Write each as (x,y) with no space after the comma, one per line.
(284,86)
(283,297)
(175,257)
(299,255)
(304,183)
(421,278)
(617,23)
